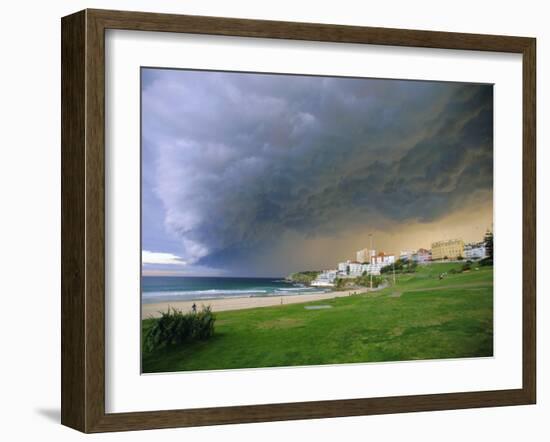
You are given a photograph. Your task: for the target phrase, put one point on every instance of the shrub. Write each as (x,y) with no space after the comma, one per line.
(400,266)
(466,266)
(339,284)
(366,279)
(175,328)
(486,262)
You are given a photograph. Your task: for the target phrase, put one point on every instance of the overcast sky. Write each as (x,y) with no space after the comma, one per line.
(262,175)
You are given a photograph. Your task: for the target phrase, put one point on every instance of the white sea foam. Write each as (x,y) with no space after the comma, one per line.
(202,293)
(189,295)
(296,289)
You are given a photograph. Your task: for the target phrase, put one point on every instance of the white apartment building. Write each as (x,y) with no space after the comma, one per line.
(475,251)
(406,255)
(343,267)
(378,262)
(355,269)
(373,269)
(383,259)
(325,279)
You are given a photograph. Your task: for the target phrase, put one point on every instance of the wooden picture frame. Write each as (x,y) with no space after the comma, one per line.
(83,220)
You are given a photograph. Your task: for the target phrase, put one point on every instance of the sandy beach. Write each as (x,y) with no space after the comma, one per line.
(220,305)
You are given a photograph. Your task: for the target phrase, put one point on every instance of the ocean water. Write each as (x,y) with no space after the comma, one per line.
(186,288)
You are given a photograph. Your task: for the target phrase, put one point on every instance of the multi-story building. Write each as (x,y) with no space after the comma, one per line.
(373,269)
(383,259)
(362,255)
(406,255)
(422,256)
(372,254)
(325,279)
(355,269)
(343,267)
(448,249)
(378,262)
(475,251)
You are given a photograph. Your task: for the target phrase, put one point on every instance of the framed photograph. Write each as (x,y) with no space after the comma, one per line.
(269,220)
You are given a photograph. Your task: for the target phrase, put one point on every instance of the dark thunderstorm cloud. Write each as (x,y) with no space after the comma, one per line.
(239,160)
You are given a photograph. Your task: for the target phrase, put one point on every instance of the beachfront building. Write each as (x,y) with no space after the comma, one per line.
(383,259)
(355,269)
(475,251)
(350,269)
(373,269)
(448,249)
(422,256)
(406,255)
(378,262)
(343,267)
(372,254)
(325,278)
(362,255)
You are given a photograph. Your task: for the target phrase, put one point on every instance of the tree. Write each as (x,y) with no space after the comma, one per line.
(400,266)
(489,244)
(339,283)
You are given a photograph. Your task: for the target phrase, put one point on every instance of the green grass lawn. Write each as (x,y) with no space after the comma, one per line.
(421,317)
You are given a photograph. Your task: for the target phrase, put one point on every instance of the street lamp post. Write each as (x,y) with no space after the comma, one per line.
(370,259)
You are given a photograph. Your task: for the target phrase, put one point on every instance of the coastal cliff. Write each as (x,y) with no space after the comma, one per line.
(305,278)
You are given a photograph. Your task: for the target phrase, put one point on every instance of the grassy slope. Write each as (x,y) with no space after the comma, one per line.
(420,318)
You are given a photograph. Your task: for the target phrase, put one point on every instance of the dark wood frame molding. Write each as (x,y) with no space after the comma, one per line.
(83,217)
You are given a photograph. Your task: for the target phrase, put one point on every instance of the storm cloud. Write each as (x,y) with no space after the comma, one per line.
(235,162)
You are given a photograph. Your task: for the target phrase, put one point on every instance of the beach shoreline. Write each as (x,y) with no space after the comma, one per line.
(154,310)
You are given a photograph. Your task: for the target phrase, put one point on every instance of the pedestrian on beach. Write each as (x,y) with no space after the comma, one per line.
(194,308)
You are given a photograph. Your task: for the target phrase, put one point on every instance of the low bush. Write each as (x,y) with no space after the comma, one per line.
(340,284)
(486,261)
(400,266)
(175,328)
(467,266)
(365,281)
(350,283)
